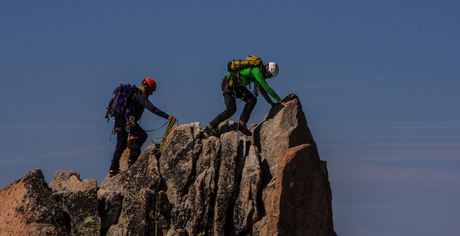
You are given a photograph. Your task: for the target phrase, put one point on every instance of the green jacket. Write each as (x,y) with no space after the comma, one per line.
(255,76)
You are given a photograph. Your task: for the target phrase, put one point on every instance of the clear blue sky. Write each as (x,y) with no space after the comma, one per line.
(378,80)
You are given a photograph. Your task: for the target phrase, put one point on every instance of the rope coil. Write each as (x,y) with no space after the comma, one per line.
(163,139)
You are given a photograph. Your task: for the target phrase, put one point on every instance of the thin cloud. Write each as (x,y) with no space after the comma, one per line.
(391,155)
(377,175)
(313,85)
(40,158)
(367,206)
(388,134)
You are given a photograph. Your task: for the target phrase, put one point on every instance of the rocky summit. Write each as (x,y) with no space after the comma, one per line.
(272,183)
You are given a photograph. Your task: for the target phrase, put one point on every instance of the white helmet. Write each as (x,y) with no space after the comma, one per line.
(273,68)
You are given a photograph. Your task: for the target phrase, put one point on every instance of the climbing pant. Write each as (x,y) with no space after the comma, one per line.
(230,94)
(134,145)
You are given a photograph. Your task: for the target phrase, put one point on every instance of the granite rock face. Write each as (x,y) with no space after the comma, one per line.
(27,207)
(272,183)
(78,200)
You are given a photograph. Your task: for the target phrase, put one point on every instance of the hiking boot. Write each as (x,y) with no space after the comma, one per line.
(209,130)
(114,172)
(131,162)
(242,127)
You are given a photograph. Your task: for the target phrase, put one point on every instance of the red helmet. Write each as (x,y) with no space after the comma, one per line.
(150,82)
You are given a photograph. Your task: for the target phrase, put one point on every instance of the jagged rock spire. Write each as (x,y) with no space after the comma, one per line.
(272,183)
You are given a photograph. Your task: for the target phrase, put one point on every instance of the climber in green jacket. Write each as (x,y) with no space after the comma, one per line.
(234,86)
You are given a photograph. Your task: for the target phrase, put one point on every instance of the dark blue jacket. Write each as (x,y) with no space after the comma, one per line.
(142,102)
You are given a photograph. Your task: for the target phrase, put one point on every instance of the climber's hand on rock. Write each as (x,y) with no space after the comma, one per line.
(285,103)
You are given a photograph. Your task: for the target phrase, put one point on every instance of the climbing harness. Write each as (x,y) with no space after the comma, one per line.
(231,88)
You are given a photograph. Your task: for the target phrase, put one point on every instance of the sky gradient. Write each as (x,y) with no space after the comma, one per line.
(378,82)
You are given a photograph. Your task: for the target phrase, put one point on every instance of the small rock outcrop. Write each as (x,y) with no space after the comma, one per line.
(27,207)
(78,199)
(272,183)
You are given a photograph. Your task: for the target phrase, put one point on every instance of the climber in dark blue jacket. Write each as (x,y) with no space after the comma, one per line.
(127,128)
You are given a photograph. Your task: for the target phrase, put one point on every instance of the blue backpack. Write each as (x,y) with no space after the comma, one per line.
(121,101)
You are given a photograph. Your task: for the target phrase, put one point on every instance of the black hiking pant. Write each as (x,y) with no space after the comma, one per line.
(134,145)
(230,94)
